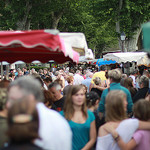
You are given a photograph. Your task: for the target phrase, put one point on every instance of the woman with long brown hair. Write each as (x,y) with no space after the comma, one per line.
(128,83)
(80,119)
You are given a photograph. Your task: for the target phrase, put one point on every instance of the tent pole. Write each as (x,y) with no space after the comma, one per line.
(1,71)
(29,68)
(7,71)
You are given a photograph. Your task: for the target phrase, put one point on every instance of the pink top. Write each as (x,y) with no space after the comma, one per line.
(142,139)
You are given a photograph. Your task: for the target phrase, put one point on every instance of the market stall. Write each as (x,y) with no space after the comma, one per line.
(138,57)
(27,46)
(41,45)
(130,60)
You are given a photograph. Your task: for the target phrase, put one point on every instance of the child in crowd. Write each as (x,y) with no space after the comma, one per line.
(93,99)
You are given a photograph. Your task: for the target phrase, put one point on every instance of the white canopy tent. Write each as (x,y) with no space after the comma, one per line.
(78,42)
(139,57)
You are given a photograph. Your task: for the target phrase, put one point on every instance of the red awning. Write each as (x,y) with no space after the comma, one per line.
(27,46)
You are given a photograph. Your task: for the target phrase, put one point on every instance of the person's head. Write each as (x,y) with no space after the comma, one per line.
(84,88)
(38,77)
(75,98)
(123,76)
(103,68)
(144,81)
(55,89)
(23,122)
(114,75)
(47,80)
(60,82)
(20,73)
(40,71)
(24,68)
(57,74)
(128,82)
(78,72)
(92,99)
(65,75)
(47,98)
(3,98)
(12,75)
(89,75)
(45,71)
(24,86)
(70,80)
(141,110)
(146,73)
(4,83)
(97,81)
(116,105)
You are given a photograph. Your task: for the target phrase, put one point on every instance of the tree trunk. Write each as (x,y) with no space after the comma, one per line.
(118,24)
(24,24)
(117,20)
(132,44)
(55,19)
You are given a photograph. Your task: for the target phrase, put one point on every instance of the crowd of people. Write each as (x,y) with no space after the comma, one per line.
(75,109)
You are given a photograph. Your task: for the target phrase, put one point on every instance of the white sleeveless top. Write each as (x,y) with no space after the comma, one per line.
(125,129)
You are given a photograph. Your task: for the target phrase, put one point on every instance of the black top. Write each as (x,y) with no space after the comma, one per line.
(140,94)
(21,146)
(59,104)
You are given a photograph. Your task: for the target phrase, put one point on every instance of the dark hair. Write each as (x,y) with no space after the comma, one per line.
(91,98)
(128,84)
(23,122)
(4,83)
(25,67)
(47,97)
(103,68)
(106,74)
(48,79)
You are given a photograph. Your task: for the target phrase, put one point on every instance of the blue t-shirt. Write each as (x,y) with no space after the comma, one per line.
(81,131)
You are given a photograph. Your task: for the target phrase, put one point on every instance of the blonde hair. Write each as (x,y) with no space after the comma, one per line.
(141,110)
(115,75)
(68,105)
(97,81)
(114,106)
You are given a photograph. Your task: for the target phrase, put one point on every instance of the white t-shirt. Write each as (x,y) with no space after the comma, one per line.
(54,130)
(125,129)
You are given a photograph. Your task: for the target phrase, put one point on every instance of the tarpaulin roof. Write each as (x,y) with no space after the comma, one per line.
(42,45)
(76,40)
(139,57)
(101,62)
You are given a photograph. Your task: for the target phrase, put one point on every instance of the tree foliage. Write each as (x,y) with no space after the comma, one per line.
(100,20)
